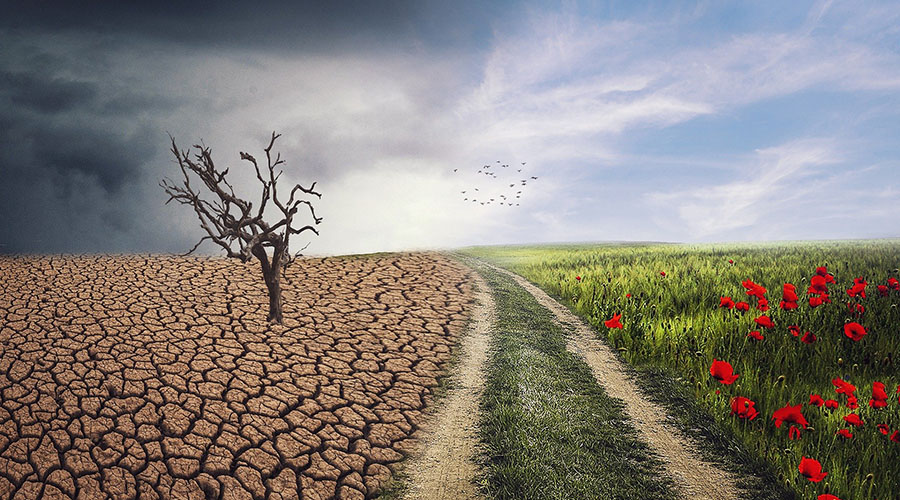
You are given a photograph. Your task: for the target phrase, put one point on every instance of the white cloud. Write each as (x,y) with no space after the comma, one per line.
(780,177)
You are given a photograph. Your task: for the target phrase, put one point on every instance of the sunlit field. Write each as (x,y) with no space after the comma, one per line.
(819,384)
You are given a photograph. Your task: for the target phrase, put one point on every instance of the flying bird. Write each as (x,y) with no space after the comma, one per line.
(455,169)
(523,163)
(535,178)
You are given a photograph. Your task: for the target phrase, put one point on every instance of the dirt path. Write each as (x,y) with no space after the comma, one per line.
(444,467)
(693,476)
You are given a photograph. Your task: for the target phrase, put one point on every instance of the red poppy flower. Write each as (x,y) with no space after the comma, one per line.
(662,273)
(808,338)
(878,391)
(726,302)
(853,419)
(856,309)
(789,293)
(893,284)
(762,305)
(743,408)
(754,290)
(795,330)
(816,301)
(816,400)
(627,295)
(879,395)
(831,404)
(852,402)
(883,290)
(811,469)
(755,335)
(793,433)
(846,434)
(884,429)
(858,289)
(742,306)
(765,322)
(730,261)
(842,387)
(788,306)
(854,331)
(817,285)
(789,414)
(895,436)
(877,403)
(723,372)
(578,278)
(614,322)
(827,496)
(822,271)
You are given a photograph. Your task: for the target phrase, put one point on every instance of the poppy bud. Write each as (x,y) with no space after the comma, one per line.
(810,429)
(780,379)
(870,477)
(840,361)
(855,366)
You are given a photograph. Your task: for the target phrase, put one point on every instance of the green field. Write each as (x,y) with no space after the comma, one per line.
(673,324)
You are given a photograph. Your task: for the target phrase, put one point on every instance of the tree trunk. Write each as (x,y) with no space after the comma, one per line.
(272,276)
(273,283)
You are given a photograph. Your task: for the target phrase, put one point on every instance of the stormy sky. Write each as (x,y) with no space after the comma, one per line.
(664,121)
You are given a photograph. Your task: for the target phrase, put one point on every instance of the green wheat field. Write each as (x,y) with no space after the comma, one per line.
(677,318)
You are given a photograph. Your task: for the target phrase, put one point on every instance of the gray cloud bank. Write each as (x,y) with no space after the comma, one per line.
(379,101)
(89,92)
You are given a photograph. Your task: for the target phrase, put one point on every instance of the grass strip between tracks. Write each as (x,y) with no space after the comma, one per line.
(550,431)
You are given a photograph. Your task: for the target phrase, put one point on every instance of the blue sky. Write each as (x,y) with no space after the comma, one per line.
(665,121)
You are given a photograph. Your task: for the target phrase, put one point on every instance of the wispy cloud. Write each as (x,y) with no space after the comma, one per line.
(777,179)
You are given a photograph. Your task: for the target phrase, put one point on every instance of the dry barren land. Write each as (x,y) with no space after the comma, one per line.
(158,376)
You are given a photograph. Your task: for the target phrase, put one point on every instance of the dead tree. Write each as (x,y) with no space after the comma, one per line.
(229,219)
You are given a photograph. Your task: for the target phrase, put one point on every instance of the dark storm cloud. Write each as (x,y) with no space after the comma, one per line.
(88,91)
(111,158)
(288,26)
(43,94)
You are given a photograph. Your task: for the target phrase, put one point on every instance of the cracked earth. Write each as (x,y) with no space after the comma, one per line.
(159,377)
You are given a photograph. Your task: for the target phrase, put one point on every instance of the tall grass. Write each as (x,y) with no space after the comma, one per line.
(673,322)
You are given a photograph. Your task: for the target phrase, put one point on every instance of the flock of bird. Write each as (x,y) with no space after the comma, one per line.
(475,195)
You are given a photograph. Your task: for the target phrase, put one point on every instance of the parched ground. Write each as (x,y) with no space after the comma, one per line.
(158,376)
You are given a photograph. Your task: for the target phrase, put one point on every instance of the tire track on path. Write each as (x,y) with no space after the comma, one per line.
(445,467)
(693,476)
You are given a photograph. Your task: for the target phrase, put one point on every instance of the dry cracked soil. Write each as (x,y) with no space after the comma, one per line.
(158,376)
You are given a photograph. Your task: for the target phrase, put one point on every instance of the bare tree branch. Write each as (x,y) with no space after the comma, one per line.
(250,233)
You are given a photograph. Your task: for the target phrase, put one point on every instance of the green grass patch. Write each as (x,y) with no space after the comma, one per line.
(674,328)
(549,429)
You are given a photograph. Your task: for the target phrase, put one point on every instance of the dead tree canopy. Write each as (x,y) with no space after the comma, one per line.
(234,224)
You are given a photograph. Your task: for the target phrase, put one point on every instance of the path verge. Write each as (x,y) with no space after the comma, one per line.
(549,430)
(693,476)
